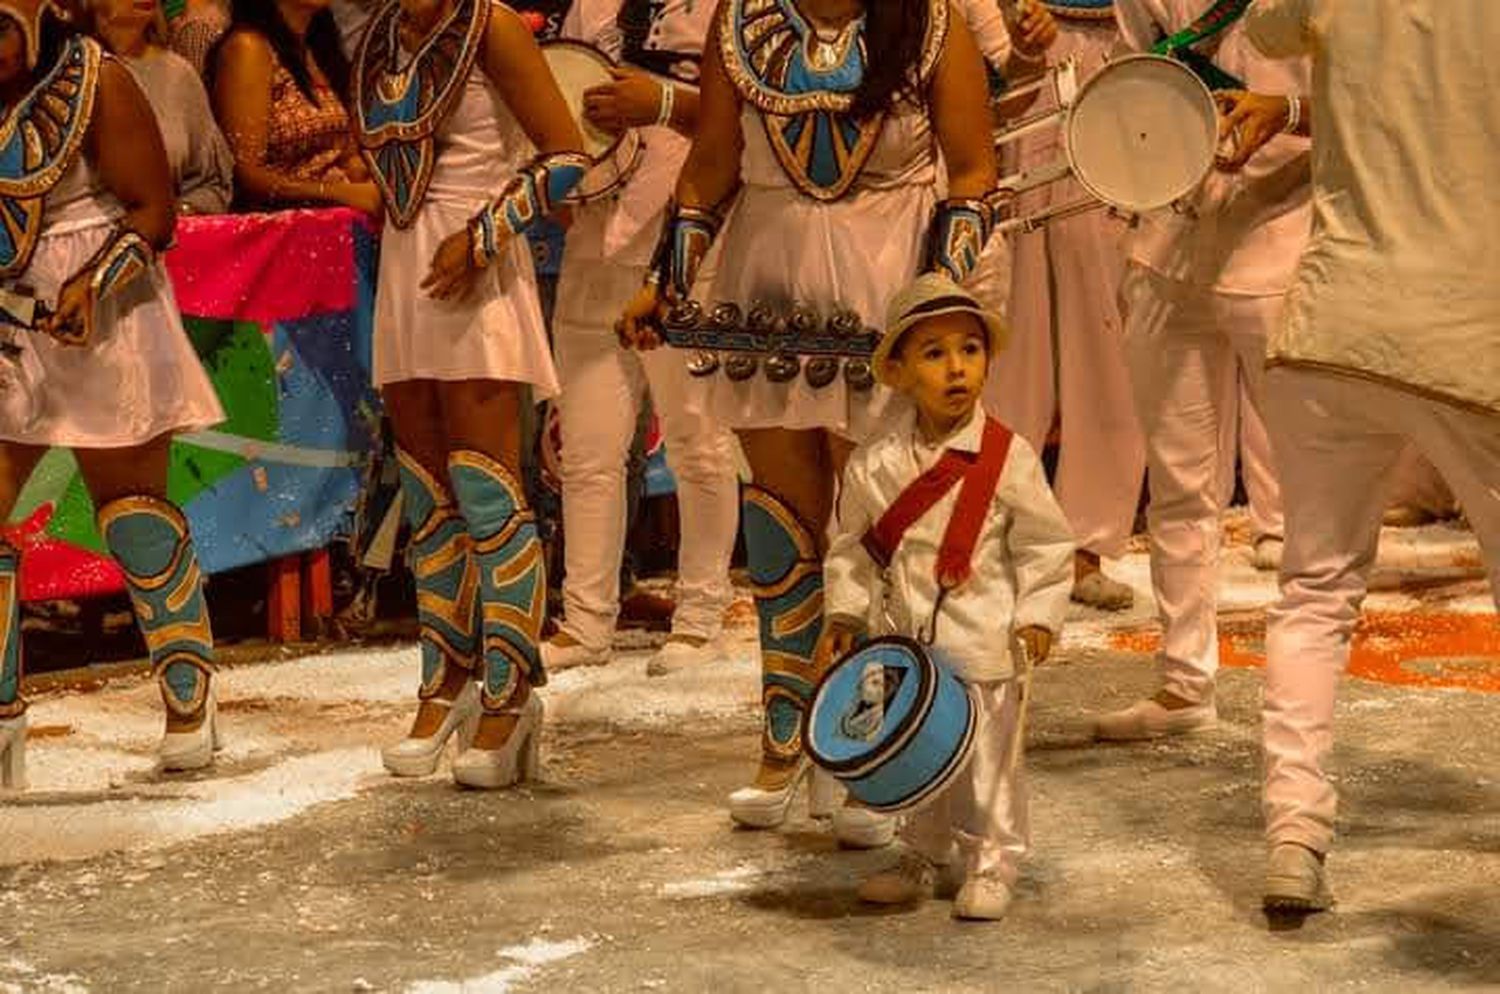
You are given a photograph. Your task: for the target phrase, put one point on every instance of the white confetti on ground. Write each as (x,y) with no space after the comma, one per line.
(526,961)
(19,977)
(724,882)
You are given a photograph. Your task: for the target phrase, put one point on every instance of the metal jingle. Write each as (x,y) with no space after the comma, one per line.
(725,317)
(821,371)
(685,316)
(845,324)
(740,366)
(701,364)
(762,319)
(859,375)
(783,367)
(802,321)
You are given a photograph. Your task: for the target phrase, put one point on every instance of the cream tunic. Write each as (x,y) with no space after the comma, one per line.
(1398,282)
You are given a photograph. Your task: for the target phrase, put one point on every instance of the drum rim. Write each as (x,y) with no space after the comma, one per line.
(904,730)
(1091,83)
(600,55)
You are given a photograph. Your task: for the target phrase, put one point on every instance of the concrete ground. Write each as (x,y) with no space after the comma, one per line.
(297,865)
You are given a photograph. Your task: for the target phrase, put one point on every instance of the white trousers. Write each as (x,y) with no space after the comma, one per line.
(1337,440)
(603,386)
(1246,434)
(984,810)
(1186,347)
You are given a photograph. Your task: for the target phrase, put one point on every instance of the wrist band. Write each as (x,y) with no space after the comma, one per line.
(1293,115)
(668,99)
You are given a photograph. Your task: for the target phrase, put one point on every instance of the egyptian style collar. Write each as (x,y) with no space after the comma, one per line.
(400,102)
(40,139)
(803,86)
(1081,10)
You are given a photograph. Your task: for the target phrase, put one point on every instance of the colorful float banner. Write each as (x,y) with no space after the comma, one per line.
(279,308)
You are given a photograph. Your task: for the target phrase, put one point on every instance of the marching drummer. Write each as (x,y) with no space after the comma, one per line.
(948,533)
(1203,288)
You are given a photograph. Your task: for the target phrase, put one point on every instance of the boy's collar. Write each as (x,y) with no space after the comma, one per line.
(967,438)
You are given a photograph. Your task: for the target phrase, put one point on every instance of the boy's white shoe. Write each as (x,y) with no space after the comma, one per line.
(982,898)
(1099,591)
(912,880)
(1148,719)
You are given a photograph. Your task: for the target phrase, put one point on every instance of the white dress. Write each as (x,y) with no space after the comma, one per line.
(496,331)
(783,247)
(139,378)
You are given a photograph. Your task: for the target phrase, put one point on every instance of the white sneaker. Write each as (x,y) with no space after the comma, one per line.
(1266,556)
(676,655)
(982,898)
(1296,880)
(911,881)
(558,655)
(1147,719)
(1098,591)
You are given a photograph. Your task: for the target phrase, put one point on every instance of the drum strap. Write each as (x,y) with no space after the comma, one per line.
(1216,19)
(980,476)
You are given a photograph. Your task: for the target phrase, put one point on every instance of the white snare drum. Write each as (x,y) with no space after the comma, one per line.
(579,67)
(1140,135)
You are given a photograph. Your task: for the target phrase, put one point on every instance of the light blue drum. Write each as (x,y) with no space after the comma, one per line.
(891,722)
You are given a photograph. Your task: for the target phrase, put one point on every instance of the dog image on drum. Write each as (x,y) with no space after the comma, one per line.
(947,577)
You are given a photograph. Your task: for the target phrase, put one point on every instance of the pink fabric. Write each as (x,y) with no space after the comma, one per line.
(1243,433)
(263,248)
(1337,441)
(1066,356)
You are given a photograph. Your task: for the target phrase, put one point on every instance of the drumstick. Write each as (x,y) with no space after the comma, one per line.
(1023,702)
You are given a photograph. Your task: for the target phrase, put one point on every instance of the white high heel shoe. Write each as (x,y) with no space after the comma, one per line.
(13,752)
(854,827)
(193,750)
(757,807)
(414,757)
(519,759)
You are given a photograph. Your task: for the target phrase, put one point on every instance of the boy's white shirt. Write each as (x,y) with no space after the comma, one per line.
(1022,565)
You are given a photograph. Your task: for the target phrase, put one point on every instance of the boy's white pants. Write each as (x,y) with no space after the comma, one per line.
(603,386)
(1337,440)
(983,811)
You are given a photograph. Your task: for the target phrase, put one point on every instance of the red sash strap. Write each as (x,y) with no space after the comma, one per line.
(980,476)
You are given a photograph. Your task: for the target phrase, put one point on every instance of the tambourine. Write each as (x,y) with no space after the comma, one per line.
(579,67)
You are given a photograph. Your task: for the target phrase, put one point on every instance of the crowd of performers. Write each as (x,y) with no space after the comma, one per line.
(831,157)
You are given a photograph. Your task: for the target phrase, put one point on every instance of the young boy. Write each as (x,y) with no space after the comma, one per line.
(971,598)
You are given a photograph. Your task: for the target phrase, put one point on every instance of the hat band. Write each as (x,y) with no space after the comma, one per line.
(947,303)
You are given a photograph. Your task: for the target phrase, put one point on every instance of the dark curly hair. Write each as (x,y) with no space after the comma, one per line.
(322,42)
(895,31)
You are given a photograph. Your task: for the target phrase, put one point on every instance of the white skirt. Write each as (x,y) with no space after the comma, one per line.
(783,248)
(138,379)
(495,332)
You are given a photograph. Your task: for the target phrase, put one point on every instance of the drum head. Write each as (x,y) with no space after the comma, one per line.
(1142,133)
(846,727)
(578,67)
